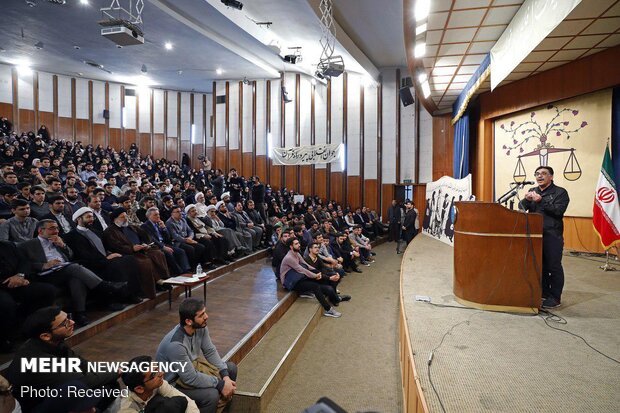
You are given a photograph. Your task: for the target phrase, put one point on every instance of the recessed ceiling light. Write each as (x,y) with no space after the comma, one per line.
(420,29)
(23,67)
(422,77)
(426,89)
(419,50)
(421,9)
(84,2)
(168,45)
(219,71)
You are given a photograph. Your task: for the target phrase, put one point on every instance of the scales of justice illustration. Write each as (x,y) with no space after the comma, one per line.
(532,130)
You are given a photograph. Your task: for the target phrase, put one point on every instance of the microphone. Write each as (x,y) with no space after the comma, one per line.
(525,183)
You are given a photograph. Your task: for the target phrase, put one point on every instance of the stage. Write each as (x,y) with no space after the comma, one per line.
(498,362)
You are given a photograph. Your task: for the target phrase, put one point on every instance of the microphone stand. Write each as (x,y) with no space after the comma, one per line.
(512,192)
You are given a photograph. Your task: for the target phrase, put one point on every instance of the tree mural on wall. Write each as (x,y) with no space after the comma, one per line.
(531,130)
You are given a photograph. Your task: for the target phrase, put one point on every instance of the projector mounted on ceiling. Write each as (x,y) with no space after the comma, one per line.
(122,35)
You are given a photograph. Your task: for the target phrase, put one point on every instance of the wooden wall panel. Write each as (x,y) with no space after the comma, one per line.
(387,194)
(235,159)
(6,111)
(336,189)
(443,146)
(82,130)
(275,173)
(115,138)
(246,164)
(65,128)
(130,137)
(354,192)
(370,194)
(579,235)
(305,180)
(197,150)
(186,147)
(261,167)
(26,121)
(158,145)
(172,149)
(220,156)
(320,182)
(144,143)
(419,200)
(291,178)
(47,119)
(99,134)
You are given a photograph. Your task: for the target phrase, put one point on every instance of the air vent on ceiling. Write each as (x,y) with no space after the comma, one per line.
(220,99)
(130,92)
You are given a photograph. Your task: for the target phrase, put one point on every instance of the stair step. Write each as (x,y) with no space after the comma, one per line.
(265,366)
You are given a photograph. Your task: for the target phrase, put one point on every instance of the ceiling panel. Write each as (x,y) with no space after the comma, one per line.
(584,42)
(564,55)
(590,9)
(612,40)
(437,21)
(481,47)
(490,33)
(453,49)
(459,35)
(469,4)
(609,25)
(570,27)
(500,15)
(539,56)
(466,18)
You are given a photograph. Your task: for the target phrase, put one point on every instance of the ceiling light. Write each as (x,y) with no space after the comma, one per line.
(419,50)
(23,67)
(84,2)
(422,77)
(219,71)
(420,29)
(421,10)
(168,46)
(426,89)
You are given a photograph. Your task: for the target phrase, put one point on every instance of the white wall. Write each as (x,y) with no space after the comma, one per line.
(6,85)
(186,123)
(388,153)
(247,118)
(370,132)
(320,117)
(144,109)
(198,133)
(233,117)
(353,124)
(158,111)
(25,91)
(46,92)
(81,99)
(337,88)
(426,146)
(172,115)
(98,101)
(64,97)
(114,103)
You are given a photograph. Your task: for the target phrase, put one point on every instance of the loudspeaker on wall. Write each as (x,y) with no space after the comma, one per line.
(405,96)
(106,114)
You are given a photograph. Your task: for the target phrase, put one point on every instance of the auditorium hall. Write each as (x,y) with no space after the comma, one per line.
(321,206)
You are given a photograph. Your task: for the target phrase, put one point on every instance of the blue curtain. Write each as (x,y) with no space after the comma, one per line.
(461,146)
(615,133)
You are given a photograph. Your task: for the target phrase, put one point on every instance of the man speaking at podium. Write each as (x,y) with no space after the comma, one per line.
(551,201)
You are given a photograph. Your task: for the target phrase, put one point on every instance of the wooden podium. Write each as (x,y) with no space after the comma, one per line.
(497,265)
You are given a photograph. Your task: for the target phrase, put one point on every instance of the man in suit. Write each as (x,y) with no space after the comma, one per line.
(183,237)
(49,257)
(245,223)
(57,213)
(310,218)
(409,230)
(87,245)
(125,239)
(177,260)
(19,294)
(101,218)
(394,218)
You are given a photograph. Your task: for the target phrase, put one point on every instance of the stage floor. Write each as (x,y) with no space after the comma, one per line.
(496,362)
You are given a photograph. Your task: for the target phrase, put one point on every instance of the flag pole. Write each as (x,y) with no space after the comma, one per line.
(607,267)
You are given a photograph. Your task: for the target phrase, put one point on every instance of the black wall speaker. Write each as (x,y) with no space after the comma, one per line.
(106,114)
(405,96)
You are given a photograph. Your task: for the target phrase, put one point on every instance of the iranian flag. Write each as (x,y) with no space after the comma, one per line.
(606,213)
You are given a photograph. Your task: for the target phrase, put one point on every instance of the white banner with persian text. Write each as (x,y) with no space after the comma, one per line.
(532,23)
(440,198)
(308,155)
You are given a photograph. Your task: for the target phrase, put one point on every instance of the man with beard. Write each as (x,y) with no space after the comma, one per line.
(101,218)
(49,257)
(245,223)
(342,248)
(72,201)
(296,275)
(235,241)
(409,230)
(125,239)
(206,379)
(87,245)
(230,222)
(57,213)
(46,330)
(177,260)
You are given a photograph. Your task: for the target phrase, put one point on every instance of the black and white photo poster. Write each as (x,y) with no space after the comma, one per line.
(440,198)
